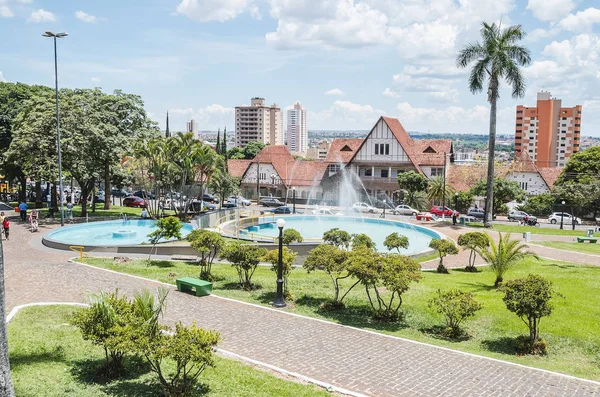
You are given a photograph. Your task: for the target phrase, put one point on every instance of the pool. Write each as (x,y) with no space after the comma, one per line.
(313,227)
(109,233)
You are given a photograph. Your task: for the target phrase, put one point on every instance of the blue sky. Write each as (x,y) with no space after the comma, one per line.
(346,61)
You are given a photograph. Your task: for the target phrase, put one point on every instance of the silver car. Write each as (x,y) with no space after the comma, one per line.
(404,209)
(517,215)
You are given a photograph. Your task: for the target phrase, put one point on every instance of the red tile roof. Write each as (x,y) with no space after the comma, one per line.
(306,173)
(524,163)
(337,155)
(238,168)
(550,175)
(402,137)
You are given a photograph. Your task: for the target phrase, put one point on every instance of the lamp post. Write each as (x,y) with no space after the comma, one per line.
(384,203)
(279,300)
(456,201)
(294,199)
(60,181)
(562,214)
(273,184)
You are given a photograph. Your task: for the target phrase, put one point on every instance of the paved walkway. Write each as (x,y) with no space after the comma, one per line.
(356,360)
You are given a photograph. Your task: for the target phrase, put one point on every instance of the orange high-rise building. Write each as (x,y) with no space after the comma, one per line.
(549,133)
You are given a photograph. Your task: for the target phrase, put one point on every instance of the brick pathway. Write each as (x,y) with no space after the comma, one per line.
(360,361)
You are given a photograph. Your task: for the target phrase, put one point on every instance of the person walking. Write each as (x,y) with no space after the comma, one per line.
(23,210)
(6,227)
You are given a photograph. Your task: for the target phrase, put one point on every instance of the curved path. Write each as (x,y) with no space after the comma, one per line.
(356,360)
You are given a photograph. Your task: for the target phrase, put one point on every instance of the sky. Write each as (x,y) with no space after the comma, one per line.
(347,61)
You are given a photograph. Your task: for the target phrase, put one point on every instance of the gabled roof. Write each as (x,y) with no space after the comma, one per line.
(523,163)
(238,168)
(402,137)
(277,155)
(342,150)
(550,175)
(437,145)
(306,173)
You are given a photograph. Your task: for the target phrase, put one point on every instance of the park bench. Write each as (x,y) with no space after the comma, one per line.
(201,287)
(589,239)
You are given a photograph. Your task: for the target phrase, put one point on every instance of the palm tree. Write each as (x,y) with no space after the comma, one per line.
(499,57)
(436,188)
(504,255)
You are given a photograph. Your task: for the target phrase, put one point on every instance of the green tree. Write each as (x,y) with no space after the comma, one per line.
(498,58)
(538,205)
(166,228)
(252,148)
(583,198)
(218,145)
(244,258)
(362,240)
(223,184)
(473,241)
(463,201)
(338,237)
(287,259)
(443,247)
(396,241)
(414,184)
(456,306)
(291,235)
(582,167)
(236,153)
(529,298)
(504,191)
(438,189)
(208,244)
(503,255)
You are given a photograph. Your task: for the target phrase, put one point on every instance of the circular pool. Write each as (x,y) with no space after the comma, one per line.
(110,233)
(313,227)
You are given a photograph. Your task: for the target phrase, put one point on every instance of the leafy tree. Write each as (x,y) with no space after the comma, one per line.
(208,244)
(166,228)
(503,255)
(504,191)
(396,241)
(463,201)
(456,306)
(582,167)
(473,241)
(245,258)
(443,247)
(415,184)
(529,298)
(498,58)
(252,148)
(236,153)
(584,198)
(288,257)
(223,184)
(218,145)
(538,205)
(362,240)
(338,237)
(332,260)
(291,235)
(438,189)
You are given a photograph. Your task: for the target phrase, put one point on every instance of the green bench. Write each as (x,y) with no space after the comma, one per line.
(202,287)
(584,239)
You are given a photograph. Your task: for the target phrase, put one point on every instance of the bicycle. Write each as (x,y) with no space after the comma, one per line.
(35,227)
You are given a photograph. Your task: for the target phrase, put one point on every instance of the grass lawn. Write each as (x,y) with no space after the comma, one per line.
(580,231)
(49,358)
(114,211)
(577,247)
(573,331)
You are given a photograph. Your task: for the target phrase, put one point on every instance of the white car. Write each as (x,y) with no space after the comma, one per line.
(567,219)
(325,211)
(364,207)
(404,209)
(239,200)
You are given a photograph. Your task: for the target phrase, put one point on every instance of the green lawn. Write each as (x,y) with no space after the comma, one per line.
(115,210)
(49,358)
(573,331)
(580,231)
(577,247)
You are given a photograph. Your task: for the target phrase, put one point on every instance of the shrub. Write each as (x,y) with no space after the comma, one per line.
(166,228)
(245,258)
(288,257)
(338,237)
(473,241)
(291,236)
(208,244)
(362,240)
(332,260)
(396,241)
(443,247)
(456,306)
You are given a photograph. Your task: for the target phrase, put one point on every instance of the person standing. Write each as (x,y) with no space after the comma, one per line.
(23,210)
(6,227)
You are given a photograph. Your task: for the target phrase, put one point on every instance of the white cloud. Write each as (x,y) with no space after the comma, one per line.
(210,117)
(582,20)
(391,94)
(5,12)
(95,79)
(540,34)
(2,79)
(25,1)
(347,114)
(212,10)
(435,39)
(255,13)
(550,10)
(85,17)
(335,91)
(450,95)
(41,15)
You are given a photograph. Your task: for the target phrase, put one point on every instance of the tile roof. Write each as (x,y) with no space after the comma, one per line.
(439,145)
(402,137)
(336,154)
(238,168)
(306,173)
(524,163)
(550,175)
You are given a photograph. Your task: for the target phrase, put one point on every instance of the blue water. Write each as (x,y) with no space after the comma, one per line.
(129,232)
(377,229)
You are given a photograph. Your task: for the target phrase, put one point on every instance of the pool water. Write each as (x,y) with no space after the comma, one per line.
(313,227)
(129,232)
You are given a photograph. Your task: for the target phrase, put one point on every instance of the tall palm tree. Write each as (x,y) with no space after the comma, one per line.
(499,57)
(436,189)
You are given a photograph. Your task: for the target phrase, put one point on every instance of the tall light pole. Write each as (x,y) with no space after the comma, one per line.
(562,214)
(279,301)
(60,181)
(294,198)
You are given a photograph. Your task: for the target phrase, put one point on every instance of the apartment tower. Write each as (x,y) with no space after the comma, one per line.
(297,130)
(549,133)
(258,123)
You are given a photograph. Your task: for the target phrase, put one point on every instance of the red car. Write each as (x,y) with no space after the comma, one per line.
(133,201)
(438,210)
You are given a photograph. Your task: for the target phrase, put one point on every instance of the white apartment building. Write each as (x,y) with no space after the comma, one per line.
(258,122)
(297,129)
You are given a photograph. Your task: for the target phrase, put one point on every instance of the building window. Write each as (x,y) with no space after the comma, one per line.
(564,118)
(385,173)
(387,148)
(519,125)
(368,172)
(437,171)
(376,148)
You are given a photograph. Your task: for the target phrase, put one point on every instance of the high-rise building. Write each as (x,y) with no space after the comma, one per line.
(258,122)
(297,130)
(192,127)
(549,133)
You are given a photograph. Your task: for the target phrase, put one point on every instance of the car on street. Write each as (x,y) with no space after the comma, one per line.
(270,202)
(516,215)
(364,207)
(476,213)
(404,209)
(438,210)
(144,195)
(240,200)
(134,201)
(325,211)
(118,192)
(229,204)
(209,198)
(284,209)
(567,218)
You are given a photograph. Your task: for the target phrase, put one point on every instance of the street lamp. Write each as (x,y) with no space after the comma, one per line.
(294,198)
(383,215)
(60,181)
(279,300)
(562,214)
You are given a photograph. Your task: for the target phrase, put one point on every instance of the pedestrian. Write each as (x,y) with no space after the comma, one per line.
(23,210)
(69,209)
(144,213)
(49,199)
(6,227)
(454,215)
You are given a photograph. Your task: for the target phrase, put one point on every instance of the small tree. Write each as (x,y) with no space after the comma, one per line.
(166,228)
(362,240)
(414,184)
(443,247)
(473,241)
(338,237)
(456,306)
(245,258)
(332,260)
(208,244)
(529,298)
(291,236)
(463,201)
(396,241)
(288,257)
(504,255)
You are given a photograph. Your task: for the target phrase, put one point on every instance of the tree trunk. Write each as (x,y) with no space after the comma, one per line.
(23,190)
(107,186)
(53,198)
(489,200)
(38,194)
(6,385)
(84,194)
(498,281)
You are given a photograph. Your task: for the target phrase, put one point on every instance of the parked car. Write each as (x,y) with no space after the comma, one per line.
(145,195)
(240,200)
(284,209)
(134,201)
(270,202)
(99,198)
(209,198)
(118,192)
(325,211)
(566,218)
(364,207)
(476,213)
(515,215)
(229,204)
(404,209)
(438,210)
